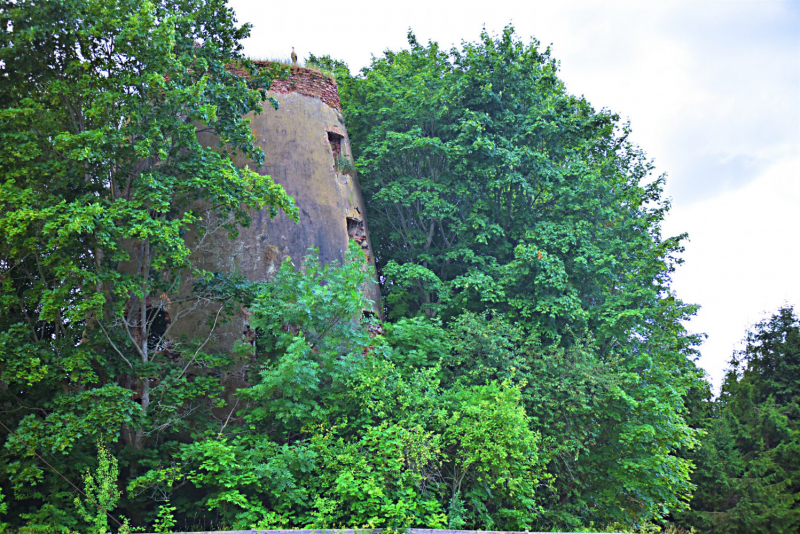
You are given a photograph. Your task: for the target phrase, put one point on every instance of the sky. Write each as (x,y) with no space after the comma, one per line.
(712,92)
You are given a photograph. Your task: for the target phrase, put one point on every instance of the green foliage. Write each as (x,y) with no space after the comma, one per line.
(344,428)
(597,417)
(490,187)
(164,520)
(491,190)
(3,510)
(328,66)
(101,492)
(102,182)
(533,372)
(748,467)
(311,336)
(344,165)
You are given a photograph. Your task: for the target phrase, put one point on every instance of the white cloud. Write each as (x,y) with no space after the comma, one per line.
(743,260)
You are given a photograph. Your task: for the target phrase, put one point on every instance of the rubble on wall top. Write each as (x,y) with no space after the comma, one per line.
(308,82)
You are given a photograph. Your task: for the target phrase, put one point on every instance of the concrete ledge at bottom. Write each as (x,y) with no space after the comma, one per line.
(367,531)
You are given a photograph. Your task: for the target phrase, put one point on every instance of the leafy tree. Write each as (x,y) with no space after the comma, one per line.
(101,177)
(747,467)
(491,190)
(490,187)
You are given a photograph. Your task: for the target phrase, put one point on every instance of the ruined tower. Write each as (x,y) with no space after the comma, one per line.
(307,151)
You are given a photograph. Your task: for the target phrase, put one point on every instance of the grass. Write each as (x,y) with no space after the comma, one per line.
(285,60)
(344,165)
(288,61)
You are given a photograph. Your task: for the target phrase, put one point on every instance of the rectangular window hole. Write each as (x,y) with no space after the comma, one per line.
(356,232)
(336,144)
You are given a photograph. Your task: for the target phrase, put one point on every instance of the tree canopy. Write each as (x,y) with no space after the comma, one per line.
(101,176)
(534,367)
(492,190)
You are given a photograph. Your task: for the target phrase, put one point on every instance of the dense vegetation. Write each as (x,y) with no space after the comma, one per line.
(493,193)
(99,169)
(748,465)
(533,371)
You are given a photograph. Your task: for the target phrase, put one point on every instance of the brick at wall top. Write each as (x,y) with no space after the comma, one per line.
(310,83)
(305,81)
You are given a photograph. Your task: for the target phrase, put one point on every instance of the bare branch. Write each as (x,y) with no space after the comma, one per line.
(204,343)
(113,346)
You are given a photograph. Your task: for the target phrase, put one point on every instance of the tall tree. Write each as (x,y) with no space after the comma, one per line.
(101,176)
(491,189)
(748,467)
(509,192)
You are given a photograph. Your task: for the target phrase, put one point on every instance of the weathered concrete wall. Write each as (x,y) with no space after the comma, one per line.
(300,141)
(295,141)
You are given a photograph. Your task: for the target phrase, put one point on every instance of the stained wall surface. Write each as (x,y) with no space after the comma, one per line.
(300,140)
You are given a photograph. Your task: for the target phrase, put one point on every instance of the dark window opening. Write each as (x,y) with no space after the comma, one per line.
(356,232)
(158,321)
(336,144)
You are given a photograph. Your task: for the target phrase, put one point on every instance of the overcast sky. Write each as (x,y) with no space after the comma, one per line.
(712,90)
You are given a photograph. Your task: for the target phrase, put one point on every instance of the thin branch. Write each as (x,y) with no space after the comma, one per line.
(204,343)
(113,346)
(229,418)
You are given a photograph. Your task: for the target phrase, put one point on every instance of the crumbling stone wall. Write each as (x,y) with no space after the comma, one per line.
(308,82)
(311,83)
